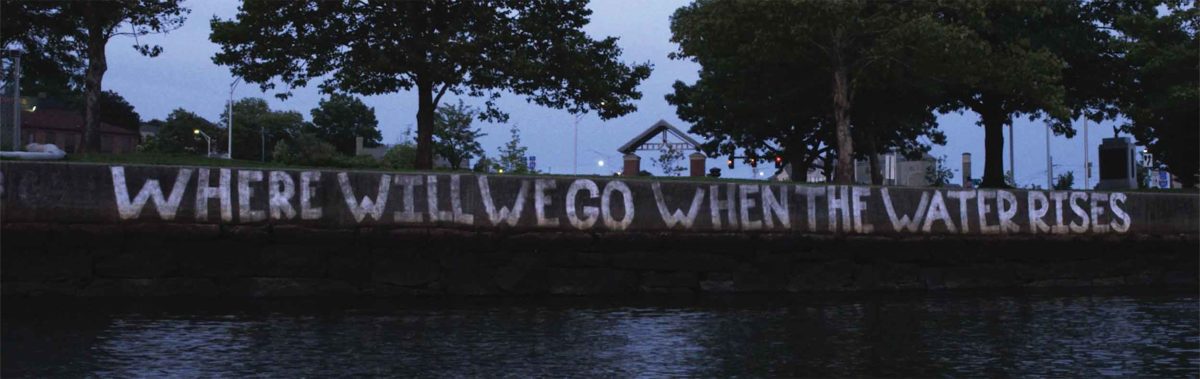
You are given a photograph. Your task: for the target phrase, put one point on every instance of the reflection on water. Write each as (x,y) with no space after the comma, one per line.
(1040,335)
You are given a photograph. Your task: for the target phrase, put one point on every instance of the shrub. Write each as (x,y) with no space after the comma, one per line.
(305,150)
(402,156)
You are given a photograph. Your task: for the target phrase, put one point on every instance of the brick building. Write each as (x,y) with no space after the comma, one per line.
(64,128)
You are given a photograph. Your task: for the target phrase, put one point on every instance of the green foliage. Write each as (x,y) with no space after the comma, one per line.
(401,156)
(512,158)
(937,174)
(304,150)
(341,118)
(257,128)
(357,161)
(453,137)
(483,164)
(1061,69)
(176,135)
(534,49)
(1064,181)
(1162,101)
(67,40)
(769,70)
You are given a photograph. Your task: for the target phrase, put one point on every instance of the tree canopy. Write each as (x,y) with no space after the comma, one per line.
(341,118)
(257,128)
(1162,101)
(475,48)
(789,78)
(175,135)
(69,38)
(455,140)
(1044,59)
(512,158)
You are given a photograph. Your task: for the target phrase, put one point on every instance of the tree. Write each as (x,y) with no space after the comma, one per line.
(114,110)
(176,135)
(257,128)
(483,164)
(455,140)
(306,150)
(1059,70)
(402,155)
(668,161)
(1064,181)
(474,48)
(341,118)
(758,60)
(1162,101)
(73,35)
(512,157)
(937,174)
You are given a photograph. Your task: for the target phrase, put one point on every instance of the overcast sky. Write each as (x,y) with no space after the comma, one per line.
(185,77)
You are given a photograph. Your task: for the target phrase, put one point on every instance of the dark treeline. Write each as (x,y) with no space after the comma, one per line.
(838,81)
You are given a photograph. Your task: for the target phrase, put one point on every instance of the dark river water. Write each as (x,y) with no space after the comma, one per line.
(1141,335)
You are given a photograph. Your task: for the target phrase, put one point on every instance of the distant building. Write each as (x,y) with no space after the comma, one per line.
(896,171)
(64,128)
(149,129)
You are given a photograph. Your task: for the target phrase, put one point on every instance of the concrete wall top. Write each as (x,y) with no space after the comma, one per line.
(101,193)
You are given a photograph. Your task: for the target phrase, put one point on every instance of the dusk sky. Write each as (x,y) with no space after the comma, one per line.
(185,77)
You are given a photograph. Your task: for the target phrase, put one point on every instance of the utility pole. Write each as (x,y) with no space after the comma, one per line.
(1049,161)
(1087,164)
(229,121)
(575,152)
(1012,166)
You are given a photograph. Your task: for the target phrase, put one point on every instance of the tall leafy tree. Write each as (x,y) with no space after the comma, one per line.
(475,48)
(1046,59)
(257,128)
(786,77)
(176,134)
(72,36)
(454,139)
(512,158)
(1162,101)
(341,118)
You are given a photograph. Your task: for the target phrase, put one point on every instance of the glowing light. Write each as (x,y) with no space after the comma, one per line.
(196,131)
(600,163)
(501,171)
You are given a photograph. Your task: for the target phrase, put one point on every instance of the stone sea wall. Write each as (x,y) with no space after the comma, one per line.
(89,229)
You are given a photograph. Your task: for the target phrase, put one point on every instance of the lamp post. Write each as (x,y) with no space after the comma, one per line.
(229,120)
(206,137)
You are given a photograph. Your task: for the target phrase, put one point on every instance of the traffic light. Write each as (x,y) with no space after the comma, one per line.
(778,161)
(729,163)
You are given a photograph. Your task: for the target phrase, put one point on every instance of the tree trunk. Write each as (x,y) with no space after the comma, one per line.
(841,118)
(93,79)
(993,159)
(797,162)
(425,109)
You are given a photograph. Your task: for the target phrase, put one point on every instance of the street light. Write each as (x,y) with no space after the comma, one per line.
(206,137)
(600,163)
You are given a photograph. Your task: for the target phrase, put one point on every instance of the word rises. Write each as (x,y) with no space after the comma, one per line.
(250,196)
